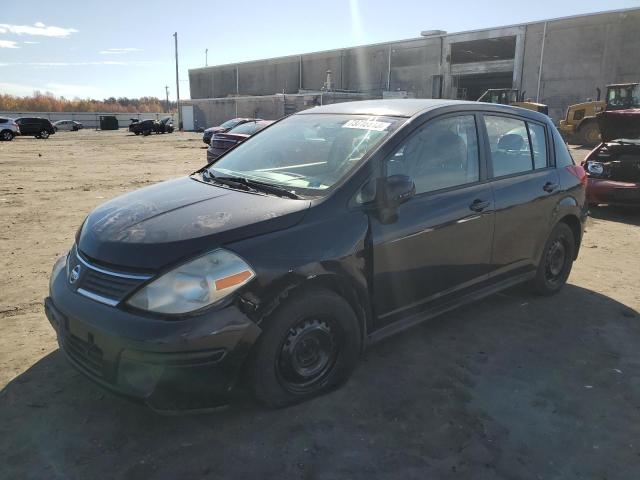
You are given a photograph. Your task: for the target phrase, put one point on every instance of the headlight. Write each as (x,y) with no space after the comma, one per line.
(596,168)
(195,284)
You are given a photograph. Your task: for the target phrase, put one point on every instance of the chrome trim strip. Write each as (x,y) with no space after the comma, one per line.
(109,272)
(97,298)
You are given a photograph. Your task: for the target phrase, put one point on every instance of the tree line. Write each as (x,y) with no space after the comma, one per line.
(47,102)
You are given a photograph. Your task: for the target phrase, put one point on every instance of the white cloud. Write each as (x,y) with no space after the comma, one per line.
(37,28)
(143,63)
(119,51)
(8,44)
(58,89)
(31,43)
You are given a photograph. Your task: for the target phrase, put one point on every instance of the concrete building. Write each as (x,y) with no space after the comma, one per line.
(558,62)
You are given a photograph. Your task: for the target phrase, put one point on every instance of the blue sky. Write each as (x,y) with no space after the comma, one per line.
(125,48)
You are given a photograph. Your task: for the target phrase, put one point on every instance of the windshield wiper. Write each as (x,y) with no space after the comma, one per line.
(240,182)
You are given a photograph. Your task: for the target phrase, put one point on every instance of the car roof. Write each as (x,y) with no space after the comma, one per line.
(405,107)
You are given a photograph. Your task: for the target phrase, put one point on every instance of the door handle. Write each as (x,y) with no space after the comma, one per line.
(550,187)
(478,205)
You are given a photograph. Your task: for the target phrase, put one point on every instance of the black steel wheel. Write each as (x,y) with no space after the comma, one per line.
(309,346)
(307,354)
(556,261)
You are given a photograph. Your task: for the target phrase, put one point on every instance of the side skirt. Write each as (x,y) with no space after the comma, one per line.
(452,304)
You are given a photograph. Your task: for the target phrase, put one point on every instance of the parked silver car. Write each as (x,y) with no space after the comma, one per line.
(8,129)
(70,125)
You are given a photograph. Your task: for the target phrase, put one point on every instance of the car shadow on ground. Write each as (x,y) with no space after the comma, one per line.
(514,386)
(628,215)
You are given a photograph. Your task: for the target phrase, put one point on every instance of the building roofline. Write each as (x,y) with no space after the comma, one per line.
(418,39)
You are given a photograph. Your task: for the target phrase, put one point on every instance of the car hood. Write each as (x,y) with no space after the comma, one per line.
(213,130)
(163,224)
(618,124)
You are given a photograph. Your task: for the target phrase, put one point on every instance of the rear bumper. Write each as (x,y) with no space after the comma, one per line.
(169,365)
(613,192)
(566,128)
(213,153)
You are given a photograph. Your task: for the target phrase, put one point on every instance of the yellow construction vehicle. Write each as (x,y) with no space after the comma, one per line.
(580,123)
(511,96)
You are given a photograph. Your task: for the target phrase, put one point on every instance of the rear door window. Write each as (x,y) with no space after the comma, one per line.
(509,144)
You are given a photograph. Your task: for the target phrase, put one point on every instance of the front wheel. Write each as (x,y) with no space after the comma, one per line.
(44,134)
(310,345)
(556,261)
(7,136)
(589,134)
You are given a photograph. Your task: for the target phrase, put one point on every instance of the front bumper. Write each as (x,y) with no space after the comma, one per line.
(170,365)
(613,192)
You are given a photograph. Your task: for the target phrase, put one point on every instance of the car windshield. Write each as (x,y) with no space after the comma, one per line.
(309,152)
(230,123)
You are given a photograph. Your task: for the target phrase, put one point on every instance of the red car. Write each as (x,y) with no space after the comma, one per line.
(221,142)
(613,167)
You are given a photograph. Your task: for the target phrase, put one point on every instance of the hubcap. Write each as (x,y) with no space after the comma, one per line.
(556,257)
(307,355)
(6,135)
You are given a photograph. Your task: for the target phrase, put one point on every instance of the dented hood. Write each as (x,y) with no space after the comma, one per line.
(159,225)
(618,124)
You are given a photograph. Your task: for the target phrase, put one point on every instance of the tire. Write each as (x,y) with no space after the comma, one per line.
(44,134)
(589,134)
(310,346)
(137,133)
(146,133)
(556,261)
(6,135)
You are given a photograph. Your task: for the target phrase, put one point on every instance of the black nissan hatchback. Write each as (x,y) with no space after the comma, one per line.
(278,263)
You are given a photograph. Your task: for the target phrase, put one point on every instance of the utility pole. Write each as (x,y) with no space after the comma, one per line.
(175,35)
(206,57)
(166,89)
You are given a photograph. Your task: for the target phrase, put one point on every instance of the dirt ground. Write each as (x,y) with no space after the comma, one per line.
(512,387)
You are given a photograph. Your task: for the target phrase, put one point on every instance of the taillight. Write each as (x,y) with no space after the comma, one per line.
(578,172)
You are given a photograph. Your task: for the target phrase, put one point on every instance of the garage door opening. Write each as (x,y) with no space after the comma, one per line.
(487,50)
(471,87)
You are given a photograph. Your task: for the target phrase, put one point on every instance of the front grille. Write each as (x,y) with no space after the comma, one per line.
(84,353)
(100,283)
(108,286)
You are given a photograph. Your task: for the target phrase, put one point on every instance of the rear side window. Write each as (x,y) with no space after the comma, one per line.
(539,144)
(248,128)
(563,156)
(3,120)
(509,143)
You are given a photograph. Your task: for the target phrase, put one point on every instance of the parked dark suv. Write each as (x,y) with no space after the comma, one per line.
(320,235)
(36,127)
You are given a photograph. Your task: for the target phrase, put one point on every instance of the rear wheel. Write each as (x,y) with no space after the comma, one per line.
(310,345)
(6,136)
(589,134)
(556,261)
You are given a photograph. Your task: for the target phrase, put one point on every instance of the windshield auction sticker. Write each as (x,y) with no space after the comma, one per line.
(367,125)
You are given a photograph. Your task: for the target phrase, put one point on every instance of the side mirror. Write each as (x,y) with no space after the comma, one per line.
(398,189)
